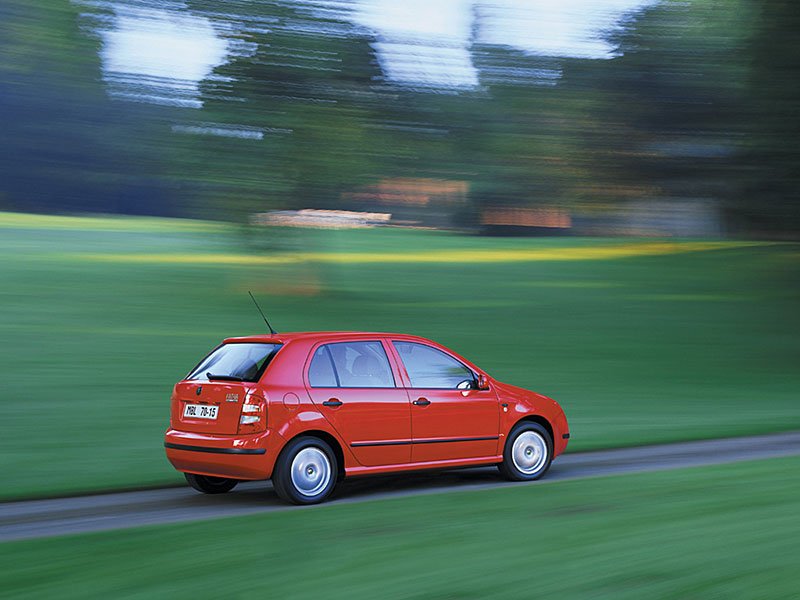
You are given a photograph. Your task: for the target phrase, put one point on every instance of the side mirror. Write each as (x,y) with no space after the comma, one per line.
(483,382)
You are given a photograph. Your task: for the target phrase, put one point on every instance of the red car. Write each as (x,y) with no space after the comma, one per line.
(308,409)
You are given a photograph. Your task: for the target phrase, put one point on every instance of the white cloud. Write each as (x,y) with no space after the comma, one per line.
(562,28)
(445,21)
(422,42)
(169,52)
(427,42)
(159,55)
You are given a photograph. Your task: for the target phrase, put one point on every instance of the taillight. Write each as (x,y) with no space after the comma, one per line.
(254,415)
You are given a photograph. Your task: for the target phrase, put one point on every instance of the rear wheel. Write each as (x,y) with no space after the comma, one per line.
(210,485)
(528,453)
(305,472)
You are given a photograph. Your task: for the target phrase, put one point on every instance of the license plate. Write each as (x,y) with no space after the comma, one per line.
(200,411)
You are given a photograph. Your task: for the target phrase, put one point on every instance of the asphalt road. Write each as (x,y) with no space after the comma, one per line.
(60,516)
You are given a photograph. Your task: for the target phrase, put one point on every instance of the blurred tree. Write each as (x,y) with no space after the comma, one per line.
(524,141)
(64,145)
(667,115)
(770,199)
(701,104)
(306,93)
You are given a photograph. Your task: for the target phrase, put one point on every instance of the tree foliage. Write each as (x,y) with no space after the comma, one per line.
(700,104)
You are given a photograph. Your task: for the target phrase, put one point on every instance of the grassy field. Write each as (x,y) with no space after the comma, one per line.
(724,532)
(641,341)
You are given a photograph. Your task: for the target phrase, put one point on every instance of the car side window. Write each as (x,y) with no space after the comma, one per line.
(429,367)
(351,364)
(320,372)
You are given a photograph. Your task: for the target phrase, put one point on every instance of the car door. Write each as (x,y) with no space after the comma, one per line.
(353,385)
(450,418)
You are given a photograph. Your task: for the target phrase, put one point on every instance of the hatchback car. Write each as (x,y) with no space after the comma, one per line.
(308,409)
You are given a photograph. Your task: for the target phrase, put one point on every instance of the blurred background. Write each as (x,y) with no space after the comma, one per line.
(595,200)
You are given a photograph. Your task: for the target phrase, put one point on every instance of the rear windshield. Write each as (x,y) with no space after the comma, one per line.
(236,362)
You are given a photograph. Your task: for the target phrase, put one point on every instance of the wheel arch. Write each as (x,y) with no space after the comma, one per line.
(541,421)
(327,438)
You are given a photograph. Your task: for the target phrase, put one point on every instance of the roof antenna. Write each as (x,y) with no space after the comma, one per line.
(272,331)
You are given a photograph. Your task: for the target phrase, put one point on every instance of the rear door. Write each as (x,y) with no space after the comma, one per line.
(450,419)
(210,399)
(354,387)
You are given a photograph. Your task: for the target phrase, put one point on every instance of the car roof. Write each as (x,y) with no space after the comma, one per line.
(314,336)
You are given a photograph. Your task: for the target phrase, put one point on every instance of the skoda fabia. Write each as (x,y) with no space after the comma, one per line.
(308,409)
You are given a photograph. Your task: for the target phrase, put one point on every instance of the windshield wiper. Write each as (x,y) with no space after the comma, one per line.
(211,376)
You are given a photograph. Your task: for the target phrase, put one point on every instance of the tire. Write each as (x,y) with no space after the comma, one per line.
(528,452)
(306,471)
(210,485)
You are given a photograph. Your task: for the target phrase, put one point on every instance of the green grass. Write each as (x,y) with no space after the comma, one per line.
(725,532)
(638,350)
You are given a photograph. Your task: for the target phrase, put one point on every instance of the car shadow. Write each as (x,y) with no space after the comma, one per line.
(261,493)
(378,485)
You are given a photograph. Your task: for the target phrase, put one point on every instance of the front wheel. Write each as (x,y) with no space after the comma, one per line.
(305,472)
(528,453)
(210,485)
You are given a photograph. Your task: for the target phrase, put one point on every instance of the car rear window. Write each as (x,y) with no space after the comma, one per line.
(245,362)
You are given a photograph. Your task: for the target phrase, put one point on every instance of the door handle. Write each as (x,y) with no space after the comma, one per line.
(421,402)
(332,402)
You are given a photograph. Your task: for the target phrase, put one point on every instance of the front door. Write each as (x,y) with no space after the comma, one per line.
(353,386)
(450,418)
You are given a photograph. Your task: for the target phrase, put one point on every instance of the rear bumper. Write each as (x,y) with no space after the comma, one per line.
(231,456)
(214,450)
